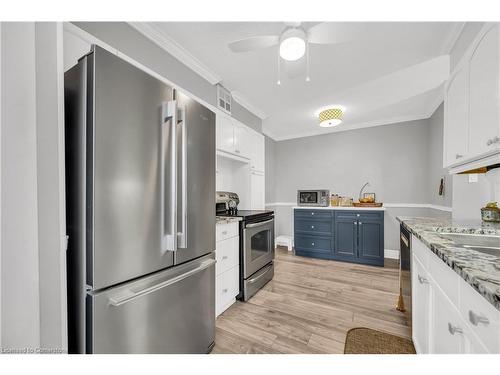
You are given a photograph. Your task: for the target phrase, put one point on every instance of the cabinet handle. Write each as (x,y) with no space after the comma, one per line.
(224,290)
(312,226)
(224,232)
(355,223)
(237,151)
(478,318)
(489,142)
(357,215)
(454,329)
(360,223)
(224,257)
(312,243)
(495,140)
(312,213)
(458,156)
(422,280)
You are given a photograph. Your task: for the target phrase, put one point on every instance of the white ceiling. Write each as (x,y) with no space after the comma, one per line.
(373,77)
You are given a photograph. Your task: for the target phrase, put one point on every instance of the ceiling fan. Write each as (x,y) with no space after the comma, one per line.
(294,43)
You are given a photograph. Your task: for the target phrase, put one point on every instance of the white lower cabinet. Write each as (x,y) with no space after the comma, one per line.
(227,268)
(421,298)
(448,315)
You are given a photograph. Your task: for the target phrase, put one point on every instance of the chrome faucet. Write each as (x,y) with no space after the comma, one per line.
(361,191)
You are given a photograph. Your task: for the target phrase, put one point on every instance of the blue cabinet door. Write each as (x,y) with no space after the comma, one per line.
(371,242)
(345,238)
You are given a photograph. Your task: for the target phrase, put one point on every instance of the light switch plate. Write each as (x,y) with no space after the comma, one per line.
(473,177)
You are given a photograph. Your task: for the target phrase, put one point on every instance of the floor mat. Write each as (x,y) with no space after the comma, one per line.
(370,341)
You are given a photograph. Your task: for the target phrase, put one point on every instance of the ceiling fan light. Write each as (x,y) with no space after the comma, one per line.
(330,117)
(292,48)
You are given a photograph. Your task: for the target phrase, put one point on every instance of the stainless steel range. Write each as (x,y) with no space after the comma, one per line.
(256,244)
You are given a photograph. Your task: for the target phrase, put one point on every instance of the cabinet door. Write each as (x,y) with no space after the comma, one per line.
(484,78)
(257,152)
(448,328)
(257,191)
(456,118)
(225,133)
(421,303)
(242,140)
(346,238)
(371,241)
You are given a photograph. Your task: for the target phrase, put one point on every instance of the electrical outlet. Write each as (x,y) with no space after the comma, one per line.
(473,177)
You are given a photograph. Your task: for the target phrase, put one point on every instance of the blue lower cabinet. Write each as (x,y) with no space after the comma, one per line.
(346,239)
(371,242)
(350,236)
(313,246)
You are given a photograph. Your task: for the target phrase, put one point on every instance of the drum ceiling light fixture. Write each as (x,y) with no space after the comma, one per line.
(331,116)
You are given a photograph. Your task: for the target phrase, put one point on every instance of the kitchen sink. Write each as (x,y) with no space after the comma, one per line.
(487,244)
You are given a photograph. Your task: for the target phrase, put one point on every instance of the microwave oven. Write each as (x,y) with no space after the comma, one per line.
(317,198)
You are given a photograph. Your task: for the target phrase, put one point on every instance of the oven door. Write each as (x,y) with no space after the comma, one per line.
(258,246)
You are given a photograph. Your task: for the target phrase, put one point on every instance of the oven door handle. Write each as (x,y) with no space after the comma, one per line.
(259,224)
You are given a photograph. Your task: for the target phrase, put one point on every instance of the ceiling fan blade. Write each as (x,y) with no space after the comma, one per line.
(335,32)
(253,43)
(294,69)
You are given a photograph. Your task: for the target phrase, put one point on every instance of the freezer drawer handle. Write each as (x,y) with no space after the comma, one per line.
(133,295)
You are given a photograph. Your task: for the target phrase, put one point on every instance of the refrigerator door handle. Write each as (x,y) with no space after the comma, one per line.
(169,117)
(182,235)
(113,301)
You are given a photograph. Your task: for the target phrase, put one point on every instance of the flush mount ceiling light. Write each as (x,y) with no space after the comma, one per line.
(293,44)
(330,117)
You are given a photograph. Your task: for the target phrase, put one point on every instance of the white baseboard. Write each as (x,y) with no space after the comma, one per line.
(391,254)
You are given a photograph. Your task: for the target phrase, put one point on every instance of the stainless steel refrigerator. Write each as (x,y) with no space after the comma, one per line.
(140,188)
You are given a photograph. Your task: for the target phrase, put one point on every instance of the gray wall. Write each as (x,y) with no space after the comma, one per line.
(132,43)
(401,162)
(435,162)
(270,147)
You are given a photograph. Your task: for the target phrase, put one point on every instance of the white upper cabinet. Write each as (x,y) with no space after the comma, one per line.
(257,152)
(242,142)
(239,140)
(484,66)
(472,106)
(456,122)
(225,133)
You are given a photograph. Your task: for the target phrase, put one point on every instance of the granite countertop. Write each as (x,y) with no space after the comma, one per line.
(349,208)
(481,271)
(226,219)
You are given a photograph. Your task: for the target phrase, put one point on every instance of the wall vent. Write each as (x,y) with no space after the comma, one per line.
(224,99)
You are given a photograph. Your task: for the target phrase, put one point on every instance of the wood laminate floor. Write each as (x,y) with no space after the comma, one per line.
(309,306)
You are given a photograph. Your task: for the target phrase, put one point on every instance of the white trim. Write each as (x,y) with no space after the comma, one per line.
(386,205)
(154,33)
(391,254)
(62,184)
(318,131)
(232,156)
(0,184)
(239,98)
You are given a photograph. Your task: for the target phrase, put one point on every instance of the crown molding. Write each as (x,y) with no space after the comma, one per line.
(452,38)
(355,126)
(154,33)
(240,99)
